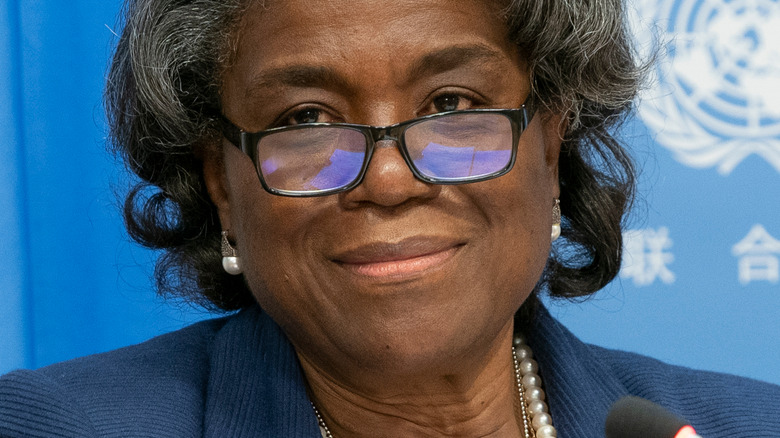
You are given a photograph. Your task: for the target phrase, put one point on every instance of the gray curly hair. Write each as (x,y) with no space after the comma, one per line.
(163,99)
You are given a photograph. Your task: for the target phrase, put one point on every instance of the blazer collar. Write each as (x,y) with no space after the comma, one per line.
(579,383)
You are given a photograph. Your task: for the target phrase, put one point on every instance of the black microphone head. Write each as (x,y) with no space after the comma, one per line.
(634,417)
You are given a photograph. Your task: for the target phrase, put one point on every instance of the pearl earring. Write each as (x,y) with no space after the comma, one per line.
(230,261)
(556,219)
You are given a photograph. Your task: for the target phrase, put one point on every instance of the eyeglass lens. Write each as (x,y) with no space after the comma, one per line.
(451,148)
(460,147)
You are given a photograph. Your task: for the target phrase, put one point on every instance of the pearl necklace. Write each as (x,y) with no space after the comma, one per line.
(536,421)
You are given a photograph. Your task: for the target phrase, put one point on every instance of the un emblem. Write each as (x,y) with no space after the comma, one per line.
(715,93)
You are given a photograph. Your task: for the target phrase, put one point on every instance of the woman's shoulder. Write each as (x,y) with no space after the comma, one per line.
(160,381)
(643,373)
(714,402)
(583,381)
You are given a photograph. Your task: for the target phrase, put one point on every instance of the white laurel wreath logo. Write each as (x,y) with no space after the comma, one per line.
(715,98)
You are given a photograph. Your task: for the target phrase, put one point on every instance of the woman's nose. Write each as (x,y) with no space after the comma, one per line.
(389,181)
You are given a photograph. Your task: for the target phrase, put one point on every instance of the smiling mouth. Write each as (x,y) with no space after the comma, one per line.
(409,257)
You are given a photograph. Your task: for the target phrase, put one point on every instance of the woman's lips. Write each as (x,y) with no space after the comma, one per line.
(409,256)
(395,268)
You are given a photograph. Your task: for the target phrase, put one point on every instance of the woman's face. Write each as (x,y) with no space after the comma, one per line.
(395,272)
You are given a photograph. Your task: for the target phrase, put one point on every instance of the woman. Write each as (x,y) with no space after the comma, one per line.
(376,185)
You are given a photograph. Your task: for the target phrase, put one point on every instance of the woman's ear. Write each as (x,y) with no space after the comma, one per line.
(211,156)
(554,126)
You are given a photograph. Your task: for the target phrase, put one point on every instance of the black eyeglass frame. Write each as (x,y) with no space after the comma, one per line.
(247,142)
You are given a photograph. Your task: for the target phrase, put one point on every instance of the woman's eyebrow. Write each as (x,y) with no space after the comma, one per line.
(301,76)
(310,76)
(451,58)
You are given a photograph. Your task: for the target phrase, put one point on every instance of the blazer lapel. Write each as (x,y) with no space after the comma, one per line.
(256,387)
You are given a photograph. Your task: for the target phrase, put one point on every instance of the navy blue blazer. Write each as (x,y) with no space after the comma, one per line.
(238,376)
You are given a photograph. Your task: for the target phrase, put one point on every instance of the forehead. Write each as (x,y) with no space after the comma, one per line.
(388,29)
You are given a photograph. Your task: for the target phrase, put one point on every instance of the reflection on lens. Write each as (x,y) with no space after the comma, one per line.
(269,166)
(448,162)
(342,169)
(311,158)
(459,146)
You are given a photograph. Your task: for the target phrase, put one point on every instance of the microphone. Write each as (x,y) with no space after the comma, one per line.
(634,417)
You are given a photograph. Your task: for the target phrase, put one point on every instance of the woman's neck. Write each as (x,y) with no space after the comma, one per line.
(476,397)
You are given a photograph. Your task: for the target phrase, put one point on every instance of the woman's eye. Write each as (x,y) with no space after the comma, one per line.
(306,115)
(309,115)
(449,102)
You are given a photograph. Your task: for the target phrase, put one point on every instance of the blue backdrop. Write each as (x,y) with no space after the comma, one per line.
(699,287)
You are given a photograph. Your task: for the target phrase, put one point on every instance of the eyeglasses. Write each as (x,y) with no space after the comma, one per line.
(318,159)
